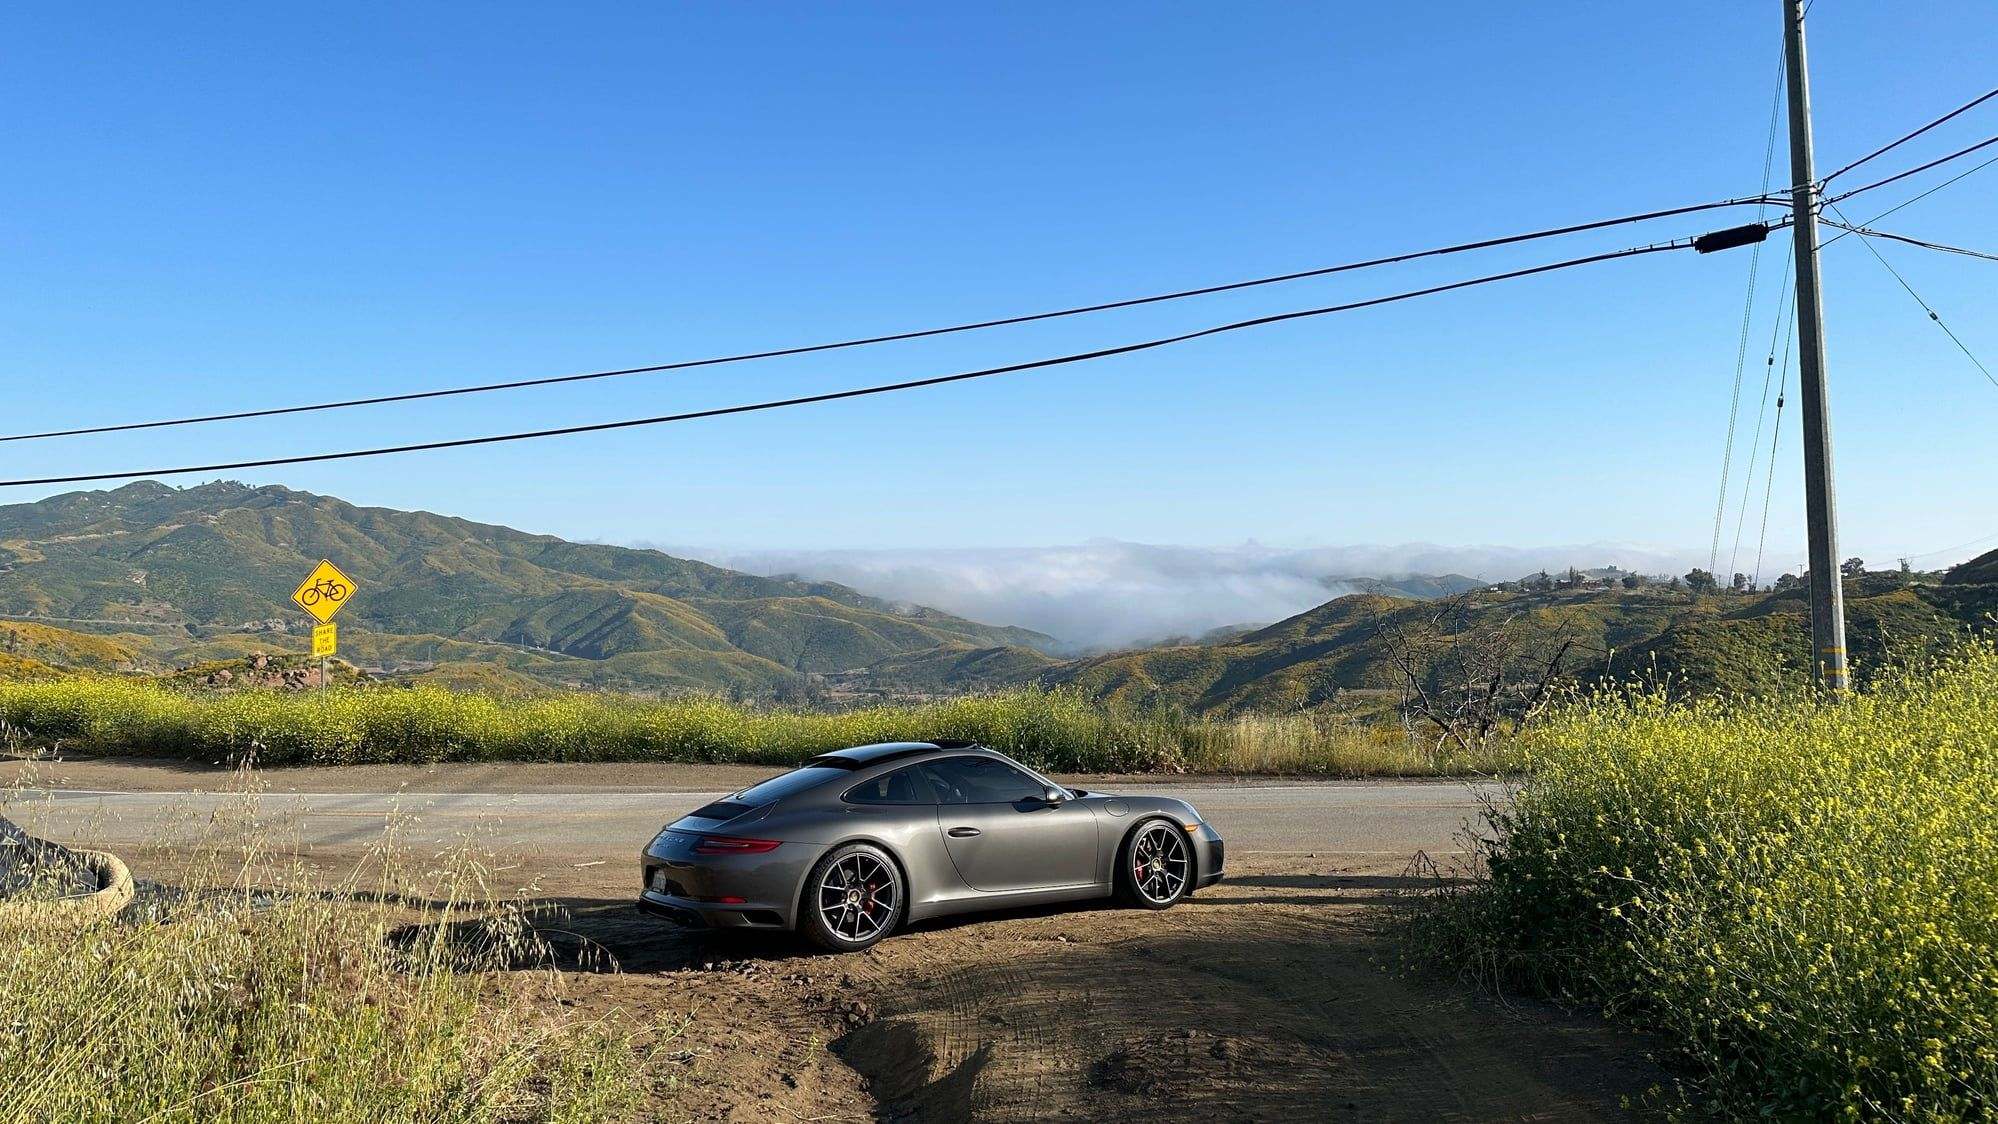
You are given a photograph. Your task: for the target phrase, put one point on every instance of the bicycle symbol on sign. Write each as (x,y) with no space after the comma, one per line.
(325,588)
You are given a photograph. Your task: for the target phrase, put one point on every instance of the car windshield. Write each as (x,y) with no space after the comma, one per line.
(788,784)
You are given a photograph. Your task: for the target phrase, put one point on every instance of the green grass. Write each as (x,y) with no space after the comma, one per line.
(1056,730)
(1800,897)
(297,1003)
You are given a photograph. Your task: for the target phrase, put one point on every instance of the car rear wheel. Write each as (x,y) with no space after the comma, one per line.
(1155,869)
(853,898)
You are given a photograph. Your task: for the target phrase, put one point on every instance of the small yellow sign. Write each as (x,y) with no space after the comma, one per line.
(325,640)
(324,591)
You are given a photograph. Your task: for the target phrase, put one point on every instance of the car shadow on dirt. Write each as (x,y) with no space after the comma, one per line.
(598,934)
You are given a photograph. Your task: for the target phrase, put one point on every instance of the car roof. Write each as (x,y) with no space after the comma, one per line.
(875,754)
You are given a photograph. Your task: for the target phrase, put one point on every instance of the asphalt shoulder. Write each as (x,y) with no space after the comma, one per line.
(143,774)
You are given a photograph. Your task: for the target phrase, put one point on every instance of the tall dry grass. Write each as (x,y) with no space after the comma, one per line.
(250,992)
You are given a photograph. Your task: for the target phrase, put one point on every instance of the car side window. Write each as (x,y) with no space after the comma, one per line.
(903,786)
(980,780)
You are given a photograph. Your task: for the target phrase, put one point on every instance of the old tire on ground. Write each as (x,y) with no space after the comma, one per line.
(114,892)
(854,896)
(1155,865)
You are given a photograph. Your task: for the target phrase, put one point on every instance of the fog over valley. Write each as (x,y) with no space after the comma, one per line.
(1107,593)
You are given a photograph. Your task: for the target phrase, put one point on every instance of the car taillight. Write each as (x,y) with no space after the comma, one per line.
(731,845)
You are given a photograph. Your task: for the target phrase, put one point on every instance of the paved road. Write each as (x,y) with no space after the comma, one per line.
(1378,821)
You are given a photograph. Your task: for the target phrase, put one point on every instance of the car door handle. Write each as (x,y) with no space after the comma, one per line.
(962,832)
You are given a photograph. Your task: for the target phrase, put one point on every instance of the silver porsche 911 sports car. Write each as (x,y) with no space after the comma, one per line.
(854,843)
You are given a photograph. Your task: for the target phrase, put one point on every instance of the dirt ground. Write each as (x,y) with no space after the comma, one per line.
(1269,997)
(1273,996)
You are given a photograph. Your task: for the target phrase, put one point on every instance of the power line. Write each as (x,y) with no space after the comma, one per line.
(1769,374)
(1747,316)
(1775,439)
(859,392)
(1924,244)
(1867,241)
(1918,198)
(1132,302)
(1957,548)
(1788,327)
(1917,170)
(773,353)
(808,349)
(1892,145)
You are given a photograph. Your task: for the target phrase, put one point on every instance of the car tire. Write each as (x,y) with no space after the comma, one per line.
(854,896)
(1155,865)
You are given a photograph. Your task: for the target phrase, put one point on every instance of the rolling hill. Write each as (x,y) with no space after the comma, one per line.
(203,573)
(1337,654)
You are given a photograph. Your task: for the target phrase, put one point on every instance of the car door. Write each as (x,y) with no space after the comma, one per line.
(1002,834)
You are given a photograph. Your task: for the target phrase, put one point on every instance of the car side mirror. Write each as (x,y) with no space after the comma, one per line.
(1054,797)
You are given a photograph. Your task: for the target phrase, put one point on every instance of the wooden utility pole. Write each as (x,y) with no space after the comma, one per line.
(1820,506)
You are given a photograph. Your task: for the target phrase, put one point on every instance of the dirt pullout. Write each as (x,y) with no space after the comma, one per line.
(1266,998)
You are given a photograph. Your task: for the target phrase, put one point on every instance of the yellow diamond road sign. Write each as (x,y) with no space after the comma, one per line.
(324,591)
(325,640)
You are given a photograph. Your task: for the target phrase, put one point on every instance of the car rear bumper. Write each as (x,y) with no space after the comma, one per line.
(755,891)
(690,914)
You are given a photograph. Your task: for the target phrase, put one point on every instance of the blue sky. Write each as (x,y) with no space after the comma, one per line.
(209,208)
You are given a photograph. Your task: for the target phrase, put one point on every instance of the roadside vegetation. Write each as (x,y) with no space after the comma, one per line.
(364,1001)
(1801,898)
(1056,730)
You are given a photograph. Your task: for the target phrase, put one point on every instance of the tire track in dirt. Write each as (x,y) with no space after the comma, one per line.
(1230,1007)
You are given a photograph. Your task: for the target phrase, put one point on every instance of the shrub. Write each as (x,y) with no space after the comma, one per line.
(1801,895)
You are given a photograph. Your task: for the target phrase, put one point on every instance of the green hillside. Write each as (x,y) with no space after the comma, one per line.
(1338,654)
(203,573)
(1981,570)
(1421,587)
(949,670)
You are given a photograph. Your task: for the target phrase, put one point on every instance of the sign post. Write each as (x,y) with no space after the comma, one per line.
(323,593)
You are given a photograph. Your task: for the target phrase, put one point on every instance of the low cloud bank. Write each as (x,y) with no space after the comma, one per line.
(1106,593)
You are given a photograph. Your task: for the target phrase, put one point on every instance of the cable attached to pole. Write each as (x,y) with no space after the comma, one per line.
(1754,234)
(894,337)
(1923,243)
(1917,198)
(1892,145)
(1867,241)
(1917,170)
(859,392)
(1761,411)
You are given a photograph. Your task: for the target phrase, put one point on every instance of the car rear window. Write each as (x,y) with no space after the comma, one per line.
(902,786)
(720,810)
(787,784)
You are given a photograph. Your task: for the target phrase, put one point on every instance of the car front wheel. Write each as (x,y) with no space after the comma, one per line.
(853,898)
(1156,867)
